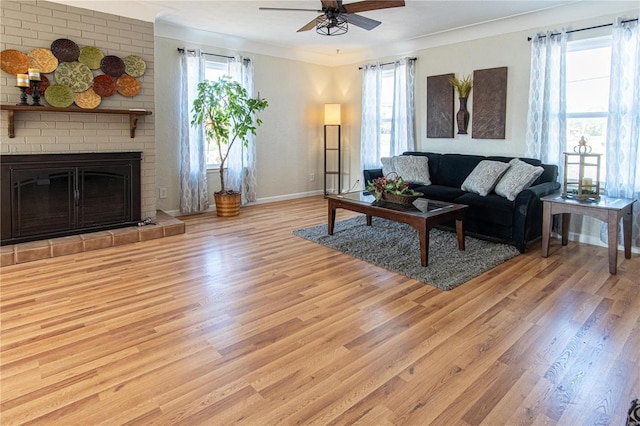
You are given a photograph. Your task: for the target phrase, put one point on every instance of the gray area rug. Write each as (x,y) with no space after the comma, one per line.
(394,246)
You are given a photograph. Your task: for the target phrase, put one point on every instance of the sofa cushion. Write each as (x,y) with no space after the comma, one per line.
(411,168)
(484,177)
(440,192)
(519,176)
(454,169)
(490,209)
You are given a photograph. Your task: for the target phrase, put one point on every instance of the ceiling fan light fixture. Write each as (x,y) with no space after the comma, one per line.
(335,25)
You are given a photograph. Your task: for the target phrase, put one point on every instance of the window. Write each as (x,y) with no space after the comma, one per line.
(386,112)
(213,71)
(588,70)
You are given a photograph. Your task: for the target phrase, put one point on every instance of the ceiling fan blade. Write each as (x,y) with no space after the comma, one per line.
(287,9)
(362,22)
(363,6)
(330,4)
(310,25)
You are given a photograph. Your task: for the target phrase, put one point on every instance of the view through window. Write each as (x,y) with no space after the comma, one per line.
(588,71)
(213,71)
(386,112)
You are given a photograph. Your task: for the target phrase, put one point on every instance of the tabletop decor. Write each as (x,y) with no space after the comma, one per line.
(393,189)
(581,173)
(22,82)
(463,87)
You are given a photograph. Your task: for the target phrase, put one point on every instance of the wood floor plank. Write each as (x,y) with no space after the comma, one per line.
(238,321)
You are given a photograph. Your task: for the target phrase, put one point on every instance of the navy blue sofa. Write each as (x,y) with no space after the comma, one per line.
(515,222)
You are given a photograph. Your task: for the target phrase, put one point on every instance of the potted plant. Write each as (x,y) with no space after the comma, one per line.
(463,87)
(392,188)
(228,114)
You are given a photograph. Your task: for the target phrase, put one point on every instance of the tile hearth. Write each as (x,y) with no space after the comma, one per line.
(165,226)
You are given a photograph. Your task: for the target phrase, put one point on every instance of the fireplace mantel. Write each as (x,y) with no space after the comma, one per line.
(132,113)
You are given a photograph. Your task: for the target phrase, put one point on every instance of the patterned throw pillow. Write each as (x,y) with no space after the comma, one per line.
(484,177)
(412,168)
(519,177)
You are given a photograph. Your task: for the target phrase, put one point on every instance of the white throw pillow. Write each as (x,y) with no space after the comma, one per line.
(520,176)
(387,165)
(412,168)
(484,177)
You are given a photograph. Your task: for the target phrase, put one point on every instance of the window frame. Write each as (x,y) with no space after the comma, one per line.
(214,64)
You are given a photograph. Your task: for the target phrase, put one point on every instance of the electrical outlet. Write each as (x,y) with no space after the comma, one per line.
(312,177)
(163,192)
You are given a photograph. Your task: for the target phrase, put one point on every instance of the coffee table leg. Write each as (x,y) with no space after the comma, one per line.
(368,220)
(460,233)
(331,219)
(566,221)
(626,231)
(423,234)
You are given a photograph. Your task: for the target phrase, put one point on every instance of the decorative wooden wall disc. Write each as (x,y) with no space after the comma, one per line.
(14,62)
(105,85)
(65,50)
(134,65)
(128,86)
(43,59)
(112,65)
(76,75)
(91,57)
(58,95)
(87,99)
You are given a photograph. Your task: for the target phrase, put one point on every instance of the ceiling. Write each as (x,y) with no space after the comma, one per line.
(402,28)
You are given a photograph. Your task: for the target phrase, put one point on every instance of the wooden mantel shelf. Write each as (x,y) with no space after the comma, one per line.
(132,113)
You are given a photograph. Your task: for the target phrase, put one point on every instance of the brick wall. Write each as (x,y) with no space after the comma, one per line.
(25,25)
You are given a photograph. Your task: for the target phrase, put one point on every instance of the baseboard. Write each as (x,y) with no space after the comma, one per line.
(593,240)
(266,200)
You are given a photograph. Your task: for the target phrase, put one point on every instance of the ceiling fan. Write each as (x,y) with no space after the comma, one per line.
(335,16)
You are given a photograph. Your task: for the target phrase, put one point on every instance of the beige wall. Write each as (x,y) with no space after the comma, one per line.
(288,144)
(26,25)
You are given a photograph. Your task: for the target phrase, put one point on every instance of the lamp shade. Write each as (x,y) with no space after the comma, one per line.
(332,114)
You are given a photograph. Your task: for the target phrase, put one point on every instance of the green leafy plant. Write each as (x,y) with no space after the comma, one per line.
(463,87)
(391,183)
(228,114)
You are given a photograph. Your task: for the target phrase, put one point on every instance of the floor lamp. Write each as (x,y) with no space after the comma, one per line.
(332,118)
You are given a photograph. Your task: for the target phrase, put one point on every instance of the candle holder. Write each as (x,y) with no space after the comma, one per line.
(35,93)
(23,95)
(581,173)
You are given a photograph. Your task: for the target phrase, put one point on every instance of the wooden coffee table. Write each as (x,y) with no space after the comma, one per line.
(435,213)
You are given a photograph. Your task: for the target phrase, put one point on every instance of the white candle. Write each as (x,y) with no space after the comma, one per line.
(587,182)
(34,74)
(22,80)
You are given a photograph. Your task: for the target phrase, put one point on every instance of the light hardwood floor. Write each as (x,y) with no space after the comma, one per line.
(239,321)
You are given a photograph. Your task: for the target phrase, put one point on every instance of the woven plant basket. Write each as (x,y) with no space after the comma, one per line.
(405,200)
(227,204)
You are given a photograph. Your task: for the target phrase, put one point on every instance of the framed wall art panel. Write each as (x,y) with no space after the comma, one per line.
(439,106)
(489,103)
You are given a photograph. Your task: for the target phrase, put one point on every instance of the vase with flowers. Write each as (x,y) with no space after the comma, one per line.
(463,87)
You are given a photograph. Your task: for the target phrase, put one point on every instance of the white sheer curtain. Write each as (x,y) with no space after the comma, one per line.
(403,137)
(193,169)
(546,120)
(241,163)
(403,112)
(623,126)
(371,116)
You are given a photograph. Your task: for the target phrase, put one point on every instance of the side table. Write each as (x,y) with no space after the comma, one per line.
(607,209)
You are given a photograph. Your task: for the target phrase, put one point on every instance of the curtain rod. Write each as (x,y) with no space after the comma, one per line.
(587,28)
(389,63)
(182,49)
